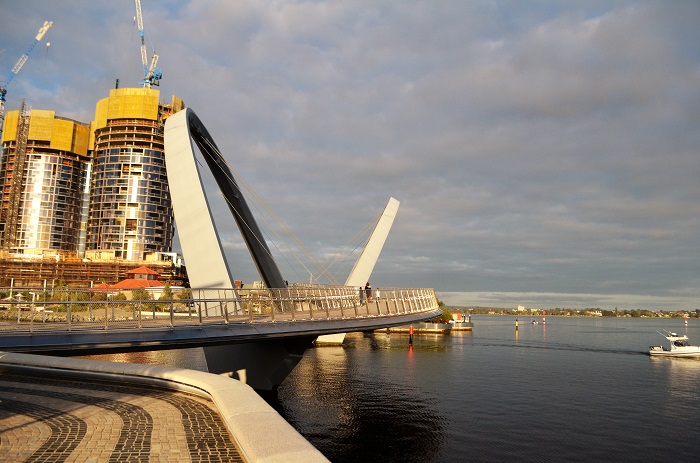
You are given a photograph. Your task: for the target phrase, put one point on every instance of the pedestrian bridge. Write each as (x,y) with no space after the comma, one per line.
(253,335)
(82,322)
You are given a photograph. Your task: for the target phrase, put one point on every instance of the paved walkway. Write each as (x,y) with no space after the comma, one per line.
(50,419)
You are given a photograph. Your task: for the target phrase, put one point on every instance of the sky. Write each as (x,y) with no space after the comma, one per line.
(545,153)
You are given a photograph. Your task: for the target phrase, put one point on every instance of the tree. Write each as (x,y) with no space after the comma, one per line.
(446,314)
(166,295)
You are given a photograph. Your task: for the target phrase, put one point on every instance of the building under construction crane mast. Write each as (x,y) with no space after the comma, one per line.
(23,59)
(151,74)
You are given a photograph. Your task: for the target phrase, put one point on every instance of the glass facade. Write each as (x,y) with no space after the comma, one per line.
(98,191)
(51,202)
(130,213)
(42,185)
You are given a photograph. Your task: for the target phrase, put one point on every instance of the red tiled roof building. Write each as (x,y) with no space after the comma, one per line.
(142,277)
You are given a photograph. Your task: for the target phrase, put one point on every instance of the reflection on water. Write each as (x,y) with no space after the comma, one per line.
(347,403)
(682,377)
(572,390)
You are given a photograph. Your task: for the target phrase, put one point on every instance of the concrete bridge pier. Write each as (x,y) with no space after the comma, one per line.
(262,365)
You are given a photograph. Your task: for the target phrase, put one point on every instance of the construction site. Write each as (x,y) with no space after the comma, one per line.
(59,271)
(83,203)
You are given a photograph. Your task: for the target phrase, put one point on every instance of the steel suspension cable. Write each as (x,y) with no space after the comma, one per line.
(268,214)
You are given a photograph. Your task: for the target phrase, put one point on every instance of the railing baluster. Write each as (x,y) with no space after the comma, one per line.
(293,300)
(311,303)
(354,304)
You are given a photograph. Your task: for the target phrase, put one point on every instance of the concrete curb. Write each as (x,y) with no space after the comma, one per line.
(261,433)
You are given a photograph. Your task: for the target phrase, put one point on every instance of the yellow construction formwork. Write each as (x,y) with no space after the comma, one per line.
(127,103)
(11,123)
(81,139)
(63,134)
(41,125)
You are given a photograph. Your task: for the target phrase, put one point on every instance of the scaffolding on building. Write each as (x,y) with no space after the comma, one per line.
(10,213)
(58,271)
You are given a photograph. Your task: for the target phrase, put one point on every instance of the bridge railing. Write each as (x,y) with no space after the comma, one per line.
(99,309)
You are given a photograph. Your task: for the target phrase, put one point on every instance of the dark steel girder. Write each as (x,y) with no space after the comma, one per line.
(254,239)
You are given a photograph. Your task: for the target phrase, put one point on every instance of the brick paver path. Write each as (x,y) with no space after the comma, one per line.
(67,420)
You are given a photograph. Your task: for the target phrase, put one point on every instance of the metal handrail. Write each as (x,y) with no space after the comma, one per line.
(105,310)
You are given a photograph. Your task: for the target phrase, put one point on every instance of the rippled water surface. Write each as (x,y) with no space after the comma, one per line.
(573,390)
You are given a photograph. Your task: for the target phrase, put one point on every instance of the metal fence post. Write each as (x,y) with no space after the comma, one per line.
(354,303)
(224,309)
(341,300)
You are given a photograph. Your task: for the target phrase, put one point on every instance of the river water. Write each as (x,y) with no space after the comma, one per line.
(573,390)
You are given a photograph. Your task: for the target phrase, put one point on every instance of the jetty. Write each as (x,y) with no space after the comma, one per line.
(432,328)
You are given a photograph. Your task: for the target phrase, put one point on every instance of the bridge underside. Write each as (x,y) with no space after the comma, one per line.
(274,360)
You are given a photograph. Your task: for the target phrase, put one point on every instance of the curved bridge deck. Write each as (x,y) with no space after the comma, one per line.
(79,322)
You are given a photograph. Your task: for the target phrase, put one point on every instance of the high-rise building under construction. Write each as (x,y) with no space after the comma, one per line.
(43,173)
(130,212)
(74,193)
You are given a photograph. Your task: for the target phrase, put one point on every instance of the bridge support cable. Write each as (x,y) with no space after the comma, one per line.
(274,223)
(181,129)
(282,230)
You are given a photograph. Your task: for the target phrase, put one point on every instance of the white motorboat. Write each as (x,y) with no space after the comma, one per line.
(679,347)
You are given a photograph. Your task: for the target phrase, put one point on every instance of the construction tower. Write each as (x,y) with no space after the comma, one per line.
(130,215)
(42,174)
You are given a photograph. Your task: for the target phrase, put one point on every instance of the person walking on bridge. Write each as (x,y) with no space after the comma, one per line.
(368,291)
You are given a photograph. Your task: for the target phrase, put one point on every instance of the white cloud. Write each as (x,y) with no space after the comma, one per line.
(544,148)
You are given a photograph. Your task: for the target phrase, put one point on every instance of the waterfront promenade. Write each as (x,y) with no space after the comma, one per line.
(73,410)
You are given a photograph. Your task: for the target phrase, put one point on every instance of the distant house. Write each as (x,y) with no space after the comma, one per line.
(138,278)
(142,277)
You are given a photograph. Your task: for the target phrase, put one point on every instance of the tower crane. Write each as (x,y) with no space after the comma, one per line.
(151,74)
(3,89)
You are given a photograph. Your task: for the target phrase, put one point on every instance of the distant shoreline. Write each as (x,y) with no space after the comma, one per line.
(593,313)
